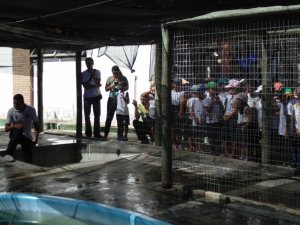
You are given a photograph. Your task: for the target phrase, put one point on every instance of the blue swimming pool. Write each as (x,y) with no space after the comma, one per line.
(17,208)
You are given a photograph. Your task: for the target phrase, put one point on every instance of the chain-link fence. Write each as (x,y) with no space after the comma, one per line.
(235,107)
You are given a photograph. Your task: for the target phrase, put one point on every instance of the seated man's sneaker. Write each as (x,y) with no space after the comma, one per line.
(9,158)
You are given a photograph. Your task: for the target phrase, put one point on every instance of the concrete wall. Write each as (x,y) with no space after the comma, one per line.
(53,155)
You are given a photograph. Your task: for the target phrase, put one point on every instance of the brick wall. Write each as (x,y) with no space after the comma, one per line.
(22,74)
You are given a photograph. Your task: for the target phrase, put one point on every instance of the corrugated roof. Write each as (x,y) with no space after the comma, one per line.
(77,24)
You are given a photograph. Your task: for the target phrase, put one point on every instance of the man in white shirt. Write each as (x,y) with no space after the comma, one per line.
(18,122)
(91,79)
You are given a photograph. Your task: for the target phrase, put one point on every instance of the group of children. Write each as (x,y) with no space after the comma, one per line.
(225,116)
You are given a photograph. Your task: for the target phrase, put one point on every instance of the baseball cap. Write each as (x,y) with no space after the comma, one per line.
(194,88)
(198,88)
(176,79)
(179,80)
(211,84)
(288,91)
(222,81)
(243,81)
(202,88)
(278,86)
(233,84)
(259,89)
(184,81)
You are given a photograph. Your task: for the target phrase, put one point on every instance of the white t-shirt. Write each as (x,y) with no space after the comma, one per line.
(152,109)
(242,118)
(259,112)
(122,106)
(291,112)
(215,114)
(282,119)
(175,97)
(91,92)
(252,102)
(229,104)
(223,98)
(189,104)
(196,105)
(26,118)
(297,116)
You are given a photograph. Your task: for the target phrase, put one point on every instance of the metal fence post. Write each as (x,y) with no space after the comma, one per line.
(266,108)
(158,120)
(78,95)
(166,112)
(40,89)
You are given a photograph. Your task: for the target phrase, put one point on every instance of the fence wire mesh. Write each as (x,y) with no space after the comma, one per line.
(235,90)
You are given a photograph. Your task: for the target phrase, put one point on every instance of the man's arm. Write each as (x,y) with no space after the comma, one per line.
(88,85)
(97,79)
(126,97)
(109,87)
(9,127)
(36,128)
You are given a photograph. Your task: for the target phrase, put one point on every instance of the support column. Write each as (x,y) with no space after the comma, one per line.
(266,107)
(166,112)
(40,94)
(78,95)
(158,117)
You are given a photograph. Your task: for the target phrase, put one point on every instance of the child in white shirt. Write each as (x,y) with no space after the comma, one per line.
(197,117)
(122,111)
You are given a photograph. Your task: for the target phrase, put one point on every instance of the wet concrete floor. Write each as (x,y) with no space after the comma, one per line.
(131,181)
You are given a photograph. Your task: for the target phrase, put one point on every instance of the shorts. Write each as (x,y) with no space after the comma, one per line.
(230,131)
(241,136)
(215,131)
(174,114)
(123,119)
(197,133)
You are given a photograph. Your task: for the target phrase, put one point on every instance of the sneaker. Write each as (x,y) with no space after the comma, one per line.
(9,158)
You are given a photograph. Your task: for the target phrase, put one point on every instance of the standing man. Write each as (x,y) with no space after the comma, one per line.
(19,122)
(91,79)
